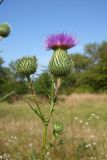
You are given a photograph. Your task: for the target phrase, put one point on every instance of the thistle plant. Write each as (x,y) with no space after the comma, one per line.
(59,67)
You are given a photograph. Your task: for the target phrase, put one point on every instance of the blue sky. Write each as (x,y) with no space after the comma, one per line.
(33,20)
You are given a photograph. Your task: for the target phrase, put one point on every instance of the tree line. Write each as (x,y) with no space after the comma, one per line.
(89,74)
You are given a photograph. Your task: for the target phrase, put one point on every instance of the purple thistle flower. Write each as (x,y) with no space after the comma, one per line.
(60,40)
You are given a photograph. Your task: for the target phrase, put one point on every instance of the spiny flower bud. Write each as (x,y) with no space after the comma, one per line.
(57,128)
(27,66)
(4,30)
(61,64)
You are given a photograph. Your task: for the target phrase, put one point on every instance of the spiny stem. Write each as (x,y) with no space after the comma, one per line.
(33,109)
(40,115)
(61,143)
(33,94)
(54,95)
(52,99)
(44,146)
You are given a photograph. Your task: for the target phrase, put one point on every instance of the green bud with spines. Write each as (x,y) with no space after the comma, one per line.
(27,66)
(4,30)
(57,128)
(61,64)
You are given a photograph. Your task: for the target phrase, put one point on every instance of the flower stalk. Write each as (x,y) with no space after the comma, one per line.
(44,145)
(38,112)
(54,94)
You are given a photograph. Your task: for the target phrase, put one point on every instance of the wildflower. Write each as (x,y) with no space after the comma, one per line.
(15,137)
(89,119)
(30,145)
(92,136)
(86,123)
(93,115)
(94,143)
(48,153)
(88,145)
(61,40)
(81,121)
(97,117)
(76,118)
(61,63)
(104,135)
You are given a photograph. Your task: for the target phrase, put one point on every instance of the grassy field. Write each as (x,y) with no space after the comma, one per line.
(85,122)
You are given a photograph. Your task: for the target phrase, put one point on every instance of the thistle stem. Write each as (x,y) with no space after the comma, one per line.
(51,111)
(44,146)
(46,124)
(33,94)
(54,94)
(53,99)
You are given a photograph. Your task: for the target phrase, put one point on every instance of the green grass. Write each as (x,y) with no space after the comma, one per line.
(84,118)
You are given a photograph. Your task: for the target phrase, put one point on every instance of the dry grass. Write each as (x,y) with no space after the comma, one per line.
(85,121)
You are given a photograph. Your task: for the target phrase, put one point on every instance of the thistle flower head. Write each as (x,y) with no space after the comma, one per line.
(57,128)
(60,64)
(26,66)
(4,30)
(61,40)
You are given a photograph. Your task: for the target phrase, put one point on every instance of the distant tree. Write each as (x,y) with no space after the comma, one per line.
(81,62)
(91,50)
(97,75)
(1,61)
(69,84)
(1,69)
(43,84)
(103,57)
(12,67)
